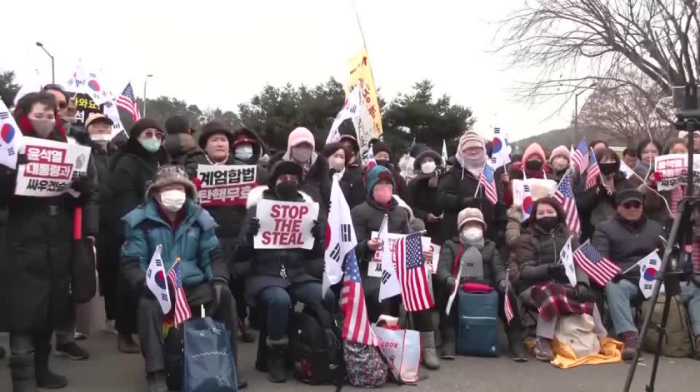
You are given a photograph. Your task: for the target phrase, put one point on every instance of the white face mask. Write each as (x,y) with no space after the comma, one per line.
(427,167)
(473,234)
(101,137)
(301,154)
(244,152)
(337,163)
(172,200)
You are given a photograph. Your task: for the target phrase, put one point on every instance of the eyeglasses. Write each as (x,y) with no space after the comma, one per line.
(153,134)
(632,204)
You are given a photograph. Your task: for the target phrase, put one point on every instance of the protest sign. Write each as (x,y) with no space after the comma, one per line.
(538,187)
(361,72)
(226,185)
(285,225)
(375,266)
(673,170)
(86,106)
(51,167)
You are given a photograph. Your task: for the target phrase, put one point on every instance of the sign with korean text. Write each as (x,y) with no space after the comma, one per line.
(361,72)
(672,170)
(86,106)
(285,225)
(375,266)
(226,184)
(51,167)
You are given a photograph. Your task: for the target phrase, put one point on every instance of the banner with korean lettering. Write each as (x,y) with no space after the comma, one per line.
(285,225)
(226,184)
(672,170)
(51,167)
(86,106)
(375,266)
(361,71)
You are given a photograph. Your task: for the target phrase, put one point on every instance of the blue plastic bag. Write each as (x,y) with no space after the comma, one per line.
(209,364)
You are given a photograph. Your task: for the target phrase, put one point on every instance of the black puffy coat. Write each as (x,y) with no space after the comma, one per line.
(423,200)
(538,249)
(316,184)
(300,265)
(35,259)
(130,171)
(456,192)
(353,185)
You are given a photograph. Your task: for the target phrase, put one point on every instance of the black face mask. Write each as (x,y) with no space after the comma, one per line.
(609,168)
(549,223)
(533,165)
(286,191)
(384,163)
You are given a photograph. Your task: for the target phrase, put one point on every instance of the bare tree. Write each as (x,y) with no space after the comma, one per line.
(579,42)
(627,115)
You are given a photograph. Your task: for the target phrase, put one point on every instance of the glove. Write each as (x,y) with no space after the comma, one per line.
(253,227)
(470,202)
(502,286)
(583,293)
(556,271)
(218,285)
(82,184)
(317,230)
(451,282)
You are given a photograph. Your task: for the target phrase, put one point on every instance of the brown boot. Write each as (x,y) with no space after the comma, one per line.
(630,340)
(127,345)
(543,350)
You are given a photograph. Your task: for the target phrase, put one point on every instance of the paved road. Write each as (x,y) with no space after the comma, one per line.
(109,371)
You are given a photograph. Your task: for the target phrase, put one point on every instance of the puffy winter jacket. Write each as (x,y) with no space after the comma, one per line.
(193,241)
(451,254)
(595,205)
(421,198)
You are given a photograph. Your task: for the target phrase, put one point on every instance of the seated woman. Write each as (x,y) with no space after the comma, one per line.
(278,276)
(480,262)
(543,281)
(367,218)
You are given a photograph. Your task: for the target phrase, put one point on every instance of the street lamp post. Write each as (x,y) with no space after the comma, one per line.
(145,85)
(53,72)
(575,130)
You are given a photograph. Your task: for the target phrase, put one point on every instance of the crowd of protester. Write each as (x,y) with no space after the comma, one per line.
(142,191)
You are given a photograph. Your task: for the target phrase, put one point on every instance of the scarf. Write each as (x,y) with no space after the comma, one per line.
(471,263)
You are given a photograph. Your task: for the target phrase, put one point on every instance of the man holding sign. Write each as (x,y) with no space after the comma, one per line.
(35,263)
(285,245)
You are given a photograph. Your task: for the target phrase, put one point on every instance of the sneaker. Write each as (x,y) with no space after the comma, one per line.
(543,350)
(630,340)
(110,328)
(72,351)
(127,345)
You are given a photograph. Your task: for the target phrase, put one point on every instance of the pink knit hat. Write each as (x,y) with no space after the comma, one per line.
(560,151)
(299,136)
(471,139)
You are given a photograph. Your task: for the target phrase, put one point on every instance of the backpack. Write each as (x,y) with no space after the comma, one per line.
(677,342)
(364,365)
(317,352)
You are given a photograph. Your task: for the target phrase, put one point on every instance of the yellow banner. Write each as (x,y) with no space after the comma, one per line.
(361,71)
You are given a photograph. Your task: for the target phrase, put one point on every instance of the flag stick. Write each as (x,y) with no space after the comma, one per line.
(174,264)
(479,185)
(637,263)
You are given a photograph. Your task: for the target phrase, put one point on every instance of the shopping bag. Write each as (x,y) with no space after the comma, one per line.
(402,348)
(209,365)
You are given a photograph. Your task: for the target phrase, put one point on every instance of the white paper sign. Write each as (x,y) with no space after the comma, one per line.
(226,184)
(285,225)
(430,265)
(538,187)
(673,170)
(51,167)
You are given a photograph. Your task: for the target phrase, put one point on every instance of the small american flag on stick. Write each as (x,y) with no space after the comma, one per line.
(127,101)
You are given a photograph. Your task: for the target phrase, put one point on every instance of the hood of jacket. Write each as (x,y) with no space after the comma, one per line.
(180,144)
(259,149)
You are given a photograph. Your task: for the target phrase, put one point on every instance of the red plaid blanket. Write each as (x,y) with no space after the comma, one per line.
(553,299)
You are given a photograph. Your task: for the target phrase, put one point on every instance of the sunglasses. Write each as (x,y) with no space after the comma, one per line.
(152,134)
(632,204)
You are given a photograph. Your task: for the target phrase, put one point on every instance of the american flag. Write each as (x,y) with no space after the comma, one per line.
(356,327)
(593,172)
(507,306)
(127,101)
(410,270)
(580,156)
(565,197)
(486,181)
(181,308)
(600,269)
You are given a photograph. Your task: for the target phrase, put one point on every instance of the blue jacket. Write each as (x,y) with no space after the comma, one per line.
(194,242)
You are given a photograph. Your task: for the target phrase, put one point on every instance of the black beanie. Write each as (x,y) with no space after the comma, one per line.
(380,147)
(142,125)
(177,124)
(284,167)
(212,128)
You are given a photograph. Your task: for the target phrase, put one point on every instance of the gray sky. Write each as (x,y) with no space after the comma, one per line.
(221,53)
